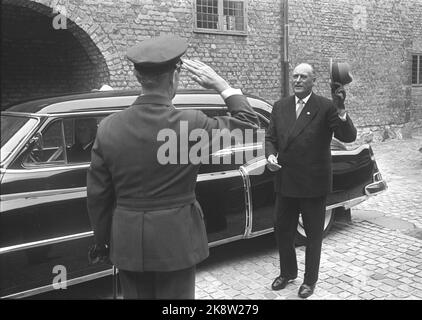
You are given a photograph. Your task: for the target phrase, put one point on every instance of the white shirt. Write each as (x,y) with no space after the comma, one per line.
(230,92)
(305,100)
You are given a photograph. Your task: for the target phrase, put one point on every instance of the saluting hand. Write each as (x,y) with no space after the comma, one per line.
(205,76)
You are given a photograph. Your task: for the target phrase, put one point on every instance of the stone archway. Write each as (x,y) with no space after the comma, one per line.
(39,60)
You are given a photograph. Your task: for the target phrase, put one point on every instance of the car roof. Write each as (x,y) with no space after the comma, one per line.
(113,99)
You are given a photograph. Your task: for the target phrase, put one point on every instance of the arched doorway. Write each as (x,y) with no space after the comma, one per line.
(38,60)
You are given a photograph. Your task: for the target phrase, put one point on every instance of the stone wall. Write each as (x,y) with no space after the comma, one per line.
(249,62)
(376,38)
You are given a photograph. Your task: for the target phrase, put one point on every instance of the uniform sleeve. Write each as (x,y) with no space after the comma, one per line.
(242,116)
(271,146)
(100,196)
(344,131)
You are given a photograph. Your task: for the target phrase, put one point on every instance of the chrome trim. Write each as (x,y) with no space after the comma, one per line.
(218,175)
(52,168)
(260,104)
(82,113)
(350,152)
(248,201)
(348,203)
(198,99)
(260,232)
(46,169)
(380,183)
(377,176)
(50,287)
(255,163)
(45,242)
(27,199)
(224,241)
(232,149)
(204,107)
(18,113)
(77,105)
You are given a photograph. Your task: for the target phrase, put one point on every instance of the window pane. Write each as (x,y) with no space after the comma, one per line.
(80,135)
(233,15)
(206,14)
(420,69)
(414,69)
(49,150)
(13,130)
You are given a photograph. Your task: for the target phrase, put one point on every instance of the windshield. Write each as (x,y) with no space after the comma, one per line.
(13,130)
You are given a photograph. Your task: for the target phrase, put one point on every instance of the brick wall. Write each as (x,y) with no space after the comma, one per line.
(252,62)
(376,39)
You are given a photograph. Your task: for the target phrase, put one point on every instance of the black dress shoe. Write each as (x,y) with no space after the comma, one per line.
(306,290)
(280,283)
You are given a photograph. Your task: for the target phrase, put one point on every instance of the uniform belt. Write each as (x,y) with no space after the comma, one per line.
(157,203)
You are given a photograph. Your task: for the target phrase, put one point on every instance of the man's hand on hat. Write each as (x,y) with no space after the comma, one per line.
(338,93)
(205,76)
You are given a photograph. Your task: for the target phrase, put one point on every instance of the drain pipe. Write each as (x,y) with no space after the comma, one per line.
(285,23)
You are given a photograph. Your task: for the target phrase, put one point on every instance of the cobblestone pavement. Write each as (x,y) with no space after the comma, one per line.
(375,256)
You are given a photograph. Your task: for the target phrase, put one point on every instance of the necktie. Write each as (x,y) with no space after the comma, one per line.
(300,105)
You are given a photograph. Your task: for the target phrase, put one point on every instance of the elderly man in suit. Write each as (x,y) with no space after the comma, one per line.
(142,211)
(297,147)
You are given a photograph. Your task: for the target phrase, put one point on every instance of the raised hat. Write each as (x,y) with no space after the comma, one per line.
(158,54)
(340,72)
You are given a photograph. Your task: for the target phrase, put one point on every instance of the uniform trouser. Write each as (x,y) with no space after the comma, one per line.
(287,216)
(179,284)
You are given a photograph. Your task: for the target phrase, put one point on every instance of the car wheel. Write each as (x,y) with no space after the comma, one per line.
(301,235)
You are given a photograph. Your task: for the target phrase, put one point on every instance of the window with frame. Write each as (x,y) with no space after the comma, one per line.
(417,69)
(49,147)
(221,16)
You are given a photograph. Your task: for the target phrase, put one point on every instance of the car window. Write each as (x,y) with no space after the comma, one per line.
(48,149)
(80,135)
(13,130)
(222,155)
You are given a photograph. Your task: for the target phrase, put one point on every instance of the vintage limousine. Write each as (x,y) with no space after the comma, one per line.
(43,218)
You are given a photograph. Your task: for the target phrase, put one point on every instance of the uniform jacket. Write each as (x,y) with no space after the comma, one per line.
(303,145)
(146,211)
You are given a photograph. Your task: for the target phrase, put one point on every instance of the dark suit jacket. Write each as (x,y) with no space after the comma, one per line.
(303,145)
(147,211)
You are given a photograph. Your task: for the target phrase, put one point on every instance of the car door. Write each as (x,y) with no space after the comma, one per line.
(259,179)
(220,188)
(45,230)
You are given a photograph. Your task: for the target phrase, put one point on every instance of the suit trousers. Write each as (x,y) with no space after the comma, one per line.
(286,221)
(178,284)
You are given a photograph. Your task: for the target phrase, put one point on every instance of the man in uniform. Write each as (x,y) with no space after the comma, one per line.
(144,214)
